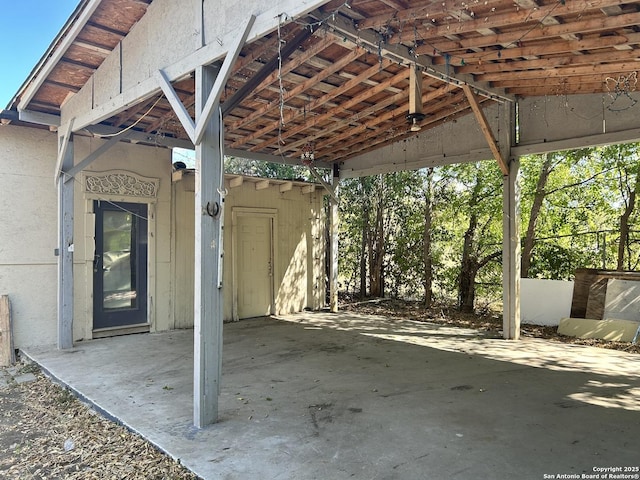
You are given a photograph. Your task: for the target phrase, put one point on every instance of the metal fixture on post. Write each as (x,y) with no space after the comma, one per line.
(415,98)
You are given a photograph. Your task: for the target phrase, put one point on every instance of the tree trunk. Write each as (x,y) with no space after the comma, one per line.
(468,269)
(624,223)
(529,239)
(467,289)
(377,254)
(426,240)
(363,253)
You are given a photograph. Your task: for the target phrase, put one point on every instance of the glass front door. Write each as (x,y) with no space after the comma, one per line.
(120,265)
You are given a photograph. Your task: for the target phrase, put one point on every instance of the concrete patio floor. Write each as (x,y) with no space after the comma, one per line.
(337,396)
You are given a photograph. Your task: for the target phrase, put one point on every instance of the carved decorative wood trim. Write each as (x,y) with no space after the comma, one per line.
(119,183)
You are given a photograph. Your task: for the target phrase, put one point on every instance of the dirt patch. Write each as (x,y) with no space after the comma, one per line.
(45,432)
(488,321)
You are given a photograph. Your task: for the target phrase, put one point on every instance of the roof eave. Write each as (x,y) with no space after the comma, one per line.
(56,49)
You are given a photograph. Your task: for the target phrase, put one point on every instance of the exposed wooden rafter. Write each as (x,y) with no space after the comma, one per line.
(344,84)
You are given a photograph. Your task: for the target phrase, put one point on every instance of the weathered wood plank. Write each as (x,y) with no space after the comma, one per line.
(7,353)
(511,254)
(333,245)
(208,302)
(65,256)
(486,129)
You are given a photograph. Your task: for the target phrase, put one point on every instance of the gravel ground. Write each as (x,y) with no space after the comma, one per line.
(46,433)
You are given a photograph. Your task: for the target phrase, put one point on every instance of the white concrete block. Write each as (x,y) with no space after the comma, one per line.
(622,300)
(608,329)
(545,302)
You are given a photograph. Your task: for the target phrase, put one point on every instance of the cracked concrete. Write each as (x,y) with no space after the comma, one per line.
(325,396)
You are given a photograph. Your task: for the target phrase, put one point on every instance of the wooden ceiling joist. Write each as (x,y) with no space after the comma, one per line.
(345,85)
(268,70)
(299,89)
(403,75)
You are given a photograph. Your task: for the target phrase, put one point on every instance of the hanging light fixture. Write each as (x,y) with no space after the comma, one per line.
(415,98)
(308,153)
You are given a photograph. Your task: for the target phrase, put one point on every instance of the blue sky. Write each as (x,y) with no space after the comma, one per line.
(28,27)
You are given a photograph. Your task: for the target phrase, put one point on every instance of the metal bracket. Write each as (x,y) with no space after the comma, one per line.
(212,209)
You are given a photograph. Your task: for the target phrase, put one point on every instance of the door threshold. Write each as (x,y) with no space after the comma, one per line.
(116,331)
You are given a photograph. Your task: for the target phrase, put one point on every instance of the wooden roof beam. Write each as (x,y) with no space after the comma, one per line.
(403,75)
(285,187)
(67,37)
(75,63)
(397,4)
(561,72)
(93,47)
(544,32)
(104,28)
(66,86)
(267,71)
(262,184)
(412,14)
(544,82)
(403,54)
(557,47)
(369,119)
(132,112)
(349,135)
(564,89)
(549,19)
(541,14)
(321,101)
(486,129)
(299,89)
(451,112)
(237,181)
(574,60)
(373,115)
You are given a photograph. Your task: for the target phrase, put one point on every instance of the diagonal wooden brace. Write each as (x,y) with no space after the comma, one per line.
(486,129)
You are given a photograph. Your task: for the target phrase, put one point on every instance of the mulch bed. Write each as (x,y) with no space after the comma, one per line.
(488,321)
(46,433)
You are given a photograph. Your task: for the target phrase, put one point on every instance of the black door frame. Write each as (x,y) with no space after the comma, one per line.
(121,317)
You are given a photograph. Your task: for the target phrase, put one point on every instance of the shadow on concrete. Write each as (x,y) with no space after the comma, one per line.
(332,396)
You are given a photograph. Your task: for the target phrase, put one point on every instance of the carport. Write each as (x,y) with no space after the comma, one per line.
(357,86)
(323,395)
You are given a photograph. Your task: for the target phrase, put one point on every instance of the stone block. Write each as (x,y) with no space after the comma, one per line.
(608,329)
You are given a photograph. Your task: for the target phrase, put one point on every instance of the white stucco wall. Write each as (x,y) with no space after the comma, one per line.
(28,232)
(153,162)
(545,302)
(299,251)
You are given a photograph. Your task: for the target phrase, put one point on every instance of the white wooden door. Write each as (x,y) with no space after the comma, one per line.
(254,266)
